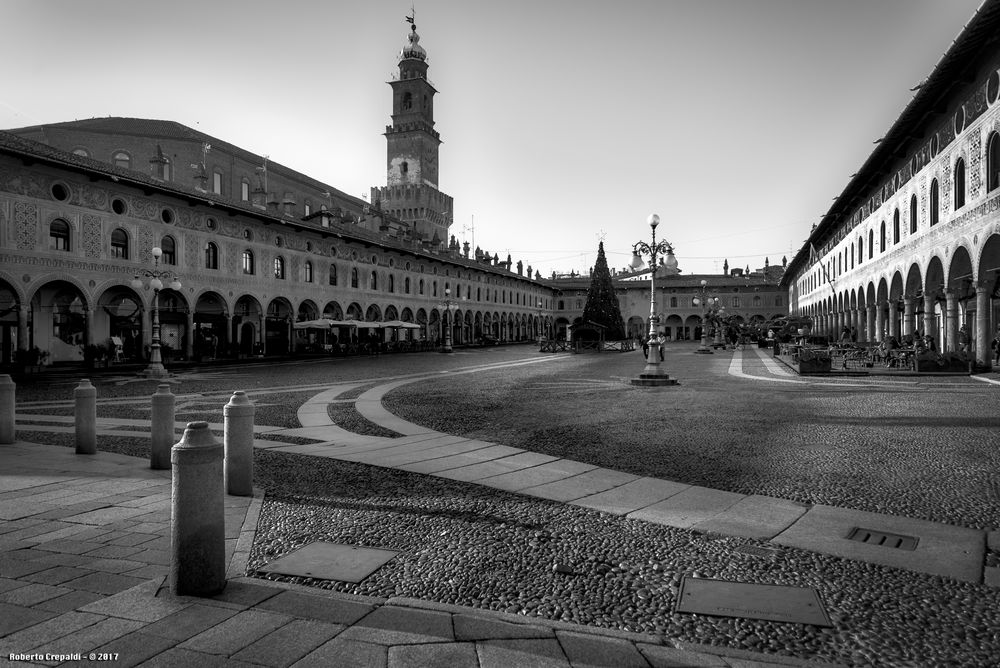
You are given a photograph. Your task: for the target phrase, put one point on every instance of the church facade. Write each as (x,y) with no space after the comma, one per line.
(912,245)
(257,247)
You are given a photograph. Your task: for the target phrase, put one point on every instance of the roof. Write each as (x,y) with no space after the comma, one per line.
(977,40)
(172,130)
(33,151)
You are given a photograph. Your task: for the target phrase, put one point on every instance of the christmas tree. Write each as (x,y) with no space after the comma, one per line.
(602,302)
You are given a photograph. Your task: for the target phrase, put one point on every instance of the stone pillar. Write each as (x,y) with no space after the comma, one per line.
(22,327)
(909,319)
(893,319)
(951,321)
(7,388)
(870,323)
(238,437)
(85,417)
(161,427)
(930,329)
(88,323)
(879,321)
(189,345)
(226,344)
(982,335)
(197,514)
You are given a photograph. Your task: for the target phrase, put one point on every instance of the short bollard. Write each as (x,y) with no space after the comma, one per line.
(6,409)
(85,416)
(162,428)
(197,514)
(238,436)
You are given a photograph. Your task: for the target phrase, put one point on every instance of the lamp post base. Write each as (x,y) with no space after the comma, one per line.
(703,349)
(155,371)
(653,374)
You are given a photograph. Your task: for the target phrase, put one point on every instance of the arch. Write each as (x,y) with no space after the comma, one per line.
(373,313)
(333,311)
(959,183)
(60,310)
(307,311)
(391,313)
(211,330)
(248,317)
(354,311)
(934,204)
(277,327)
(119,314)
(406,315)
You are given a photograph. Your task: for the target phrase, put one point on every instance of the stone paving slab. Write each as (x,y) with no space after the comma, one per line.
(495,467)
(288,643)
(761,517)
(942,549)
(537,475)
(687,508)
(579,486)
(631,496)
(469,458)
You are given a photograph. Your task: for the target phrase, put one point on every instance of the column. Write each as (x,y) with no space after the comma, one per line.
(189,345)
(951,321)
(908,315)
(929,326)
(893,319)
(983,351)
(870,323)
(88,323)
(22,327)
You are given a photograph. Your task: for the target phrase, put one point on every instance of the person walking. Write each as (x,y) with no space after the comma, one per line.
(996,346)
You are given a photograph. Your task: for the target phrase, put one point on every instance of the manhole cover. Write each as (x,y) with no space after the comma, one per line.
(778,603)
(883,538)
(331,561)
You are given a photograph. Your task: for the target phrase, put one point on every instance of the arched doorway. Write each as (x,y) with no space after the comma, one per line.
(118,321)
(277,326)
(211,336)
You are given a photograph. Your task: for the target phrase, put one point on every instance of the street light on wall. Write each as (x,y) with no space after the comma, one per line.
(707,305)
(156,278)
(653,373)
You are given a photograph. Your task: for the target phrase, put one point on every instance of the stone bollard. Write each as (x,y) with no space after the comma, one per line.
(85,416)
(197,514)
(238,436)
(162,427)
(6,409)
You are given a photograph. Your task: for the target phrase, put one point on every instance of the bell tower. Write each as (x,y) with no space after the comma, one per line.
(411,191)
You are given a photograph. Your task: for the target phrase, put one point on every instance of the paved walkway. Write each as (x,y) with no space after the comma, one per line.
(84,549)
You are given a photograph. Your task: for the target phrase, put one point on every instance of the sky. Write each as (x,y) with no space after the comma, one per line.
(564,122)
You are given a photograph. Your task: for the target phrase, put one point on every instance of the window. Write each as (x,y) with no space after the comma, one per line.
(421,286)
(392,283)
(756,301)
(852,256)
(434,289)
(895,227)
(245,190)
(871,244)
(59,235)
(777,300)
(993,161)
(354,277)
(247,262)
(406,285)
(165,169)
(913,214)
(881,238)
(934,203)
(121,159)
(373,281)
(333,274)
(736,302)
(217,182)
(119,244)
(169,251)
(407,100)
(309,272)
(307,208)
(861,249)
(211,256)
(673,302)
(279,267)
(959,184)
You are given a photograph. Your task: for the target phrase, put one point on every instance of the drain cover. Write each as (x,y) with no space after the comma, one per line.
(331,561)
(778,603)
(883,538)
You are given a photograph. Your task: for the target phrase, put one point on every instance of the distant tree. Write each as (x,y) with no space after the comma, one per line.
(602,302)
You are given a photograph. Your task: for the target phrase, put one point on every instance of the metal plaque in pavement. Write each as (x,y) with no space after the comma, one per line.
(331,561)
(778,603)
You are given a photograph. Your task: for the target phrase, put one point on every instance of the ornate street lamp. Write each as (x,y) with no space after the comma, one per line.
(156,277)
(653,373)
(448,306)
(707,304)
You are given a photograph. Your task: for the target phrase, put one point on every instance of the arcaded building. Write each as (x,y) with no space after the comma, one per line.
(912,244)
(256,245)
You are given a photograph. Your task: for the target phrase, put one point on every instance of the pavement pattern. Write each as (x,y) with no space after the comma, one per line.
(85,542)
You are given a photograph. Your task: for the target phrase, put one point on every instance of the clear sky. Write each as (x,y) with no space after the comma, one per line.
(563,121)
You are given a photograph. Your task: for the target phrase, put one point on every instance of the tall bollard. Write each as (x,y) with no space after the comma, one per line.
(85,416)
(197,514)
(162,428)
(6,409)
(238,436)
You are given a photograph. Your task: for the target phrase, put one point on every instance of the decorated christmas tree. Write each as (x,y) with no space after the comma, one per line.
(602,302)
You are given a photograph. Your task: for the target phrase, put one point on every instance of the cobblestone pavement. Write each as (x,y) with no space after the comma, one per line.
(94,527)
